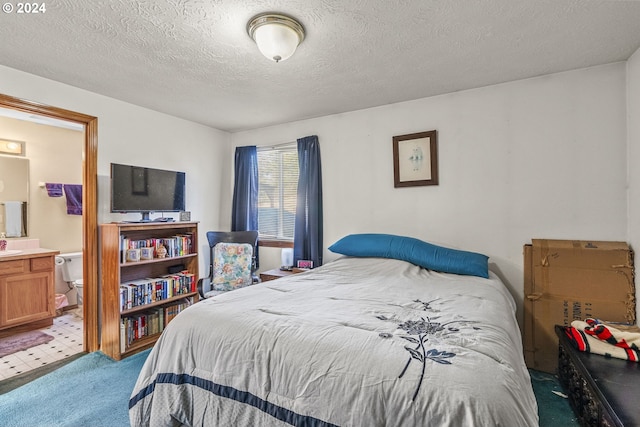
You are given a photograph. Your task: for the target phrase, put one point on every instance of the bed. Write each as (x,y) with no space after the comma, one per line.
(360,341)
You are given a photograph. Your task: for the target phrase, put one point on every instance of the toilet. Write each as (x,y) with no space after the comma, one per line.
(70,265)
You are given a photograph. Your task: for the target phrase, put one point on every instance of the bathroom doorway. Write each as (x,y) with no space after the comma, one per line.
(89,216)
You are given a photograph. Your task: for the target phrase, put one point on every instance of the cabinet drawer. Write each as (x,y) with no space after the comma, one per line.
(12,267)
(41,264)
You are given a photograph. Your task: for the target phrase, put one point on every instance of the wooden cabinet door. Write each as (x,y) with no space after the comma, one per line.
(26,298)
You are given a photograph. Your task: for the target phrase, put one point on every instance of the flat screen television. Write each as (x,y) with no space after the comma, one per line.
(146,190)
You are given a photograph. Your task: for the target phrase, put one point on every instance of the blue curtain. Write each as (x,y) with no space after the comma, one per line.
(307,242)
(244,212)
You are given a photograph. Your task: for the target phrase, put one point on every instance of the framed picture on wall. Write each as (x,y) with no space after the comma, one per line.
(415,159)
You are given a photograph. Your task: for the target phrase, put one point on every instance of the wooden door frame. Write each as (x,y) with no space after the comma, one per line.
(89,204)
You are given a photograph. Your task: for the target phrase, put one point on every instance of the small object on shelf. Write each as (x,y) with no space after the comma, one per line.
(164,219)
(3,242)
(161,251)
(286,257)
(146,253)
(133,255)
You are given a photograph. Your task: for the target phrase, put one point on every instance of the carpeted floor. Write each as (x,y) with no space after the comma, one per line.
(553,409)
(93,390)
(96,393)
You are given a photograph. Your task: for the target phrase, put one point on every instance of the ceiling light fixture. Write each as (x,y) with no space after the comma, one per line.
(276,35)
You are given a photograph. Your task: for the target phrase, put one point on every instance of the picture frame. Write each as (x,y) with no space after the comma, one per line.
(139,181)
(415,159)
(303,263)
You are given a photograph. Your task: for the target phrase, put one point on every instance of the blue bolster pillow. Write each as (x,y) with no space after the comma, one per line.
(415,251)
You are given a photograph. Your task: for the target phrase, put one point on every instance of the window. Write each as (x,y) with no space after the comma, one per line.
(278,184)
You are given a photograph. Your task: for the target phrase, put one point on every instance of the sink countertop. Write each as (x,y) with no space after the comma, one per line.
(27,253)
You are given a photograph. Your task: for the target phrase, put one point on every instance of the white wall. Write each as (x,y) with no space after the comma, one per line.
(537,158)
(135,135)
(633,138)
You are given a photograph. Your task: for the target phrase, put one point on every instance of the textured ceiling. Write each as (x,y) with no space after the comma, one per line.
(193,58)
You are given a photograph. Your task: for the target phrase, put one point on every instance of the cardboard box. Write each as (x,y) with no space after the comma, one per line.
(568,280)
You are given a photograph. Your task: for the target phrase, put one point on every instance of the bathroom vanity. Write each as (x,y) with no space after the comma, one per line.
(27,289)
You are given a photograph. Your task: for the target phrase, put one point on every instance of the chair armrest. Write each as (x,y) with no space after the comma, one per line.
(204,285)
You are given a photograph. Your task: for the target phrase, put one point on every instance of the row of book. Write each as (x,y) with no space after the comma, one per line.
(178,245)
(147,323)
(146,291)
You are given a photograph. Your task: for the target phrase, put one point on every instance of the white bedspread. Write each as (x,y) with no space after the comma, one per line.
(357,342)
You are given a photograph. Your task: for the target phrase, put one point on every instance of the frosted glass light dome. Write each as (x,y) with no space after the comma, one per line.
(277,36)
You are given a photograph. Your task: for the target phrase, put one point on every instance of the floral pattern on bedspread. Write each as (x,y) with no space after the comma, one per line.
(418,333)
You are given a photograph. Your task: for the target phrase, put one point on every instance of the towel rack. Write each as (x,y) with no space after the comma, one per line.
(42,184)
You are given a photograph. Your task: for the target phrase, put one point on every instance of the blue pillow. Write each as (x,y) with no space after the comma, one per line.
(414,251)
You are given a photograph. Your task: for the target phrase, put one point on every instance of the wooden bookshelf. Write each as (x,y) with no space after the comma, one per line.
(116,271)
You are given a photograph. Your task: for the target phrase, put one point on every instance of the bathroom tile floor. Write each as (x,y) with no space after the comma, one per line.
(67,341)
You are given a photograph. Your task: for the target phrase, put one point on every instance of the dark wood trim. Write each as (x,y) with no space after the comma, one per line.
(275,243)
(90,236)
(90,206)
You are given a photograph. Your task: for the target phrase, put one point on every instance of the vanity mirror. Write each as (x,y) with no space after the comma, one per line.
(14,195)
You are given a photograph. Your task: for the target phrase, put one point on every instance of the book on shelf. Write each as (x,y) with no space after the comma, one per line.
(171,311)
(141,292)
(149,322)
(144,324)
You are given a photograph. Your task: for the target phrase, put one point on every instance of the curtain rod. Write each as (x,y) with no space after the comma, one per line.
(275,147)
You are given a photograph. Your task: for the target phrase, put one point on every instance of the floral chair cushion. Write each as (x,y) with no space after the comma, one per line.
(231,266)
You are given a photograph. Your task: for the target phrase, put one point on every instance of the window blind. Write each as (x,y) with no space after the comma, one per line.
(278,183)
